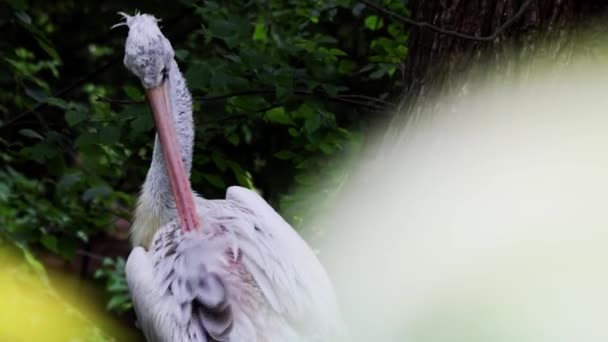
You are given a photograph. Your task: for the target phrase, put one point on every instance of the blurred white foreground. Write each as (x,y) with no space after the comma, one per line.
(488,222)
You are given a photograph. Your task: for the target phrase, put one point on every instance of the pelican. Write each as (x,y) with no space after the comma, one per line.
(211,270)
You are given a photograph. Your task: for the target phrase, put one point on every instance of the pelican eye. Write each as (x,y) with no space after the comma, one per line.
(164,73)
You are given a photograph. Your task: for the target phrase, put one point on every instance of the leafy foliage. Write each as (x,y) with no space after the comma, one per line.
(284,91)
(113,271)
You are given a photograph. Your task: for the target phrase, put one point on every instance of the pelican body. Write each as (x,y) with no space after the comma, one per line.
(211,270)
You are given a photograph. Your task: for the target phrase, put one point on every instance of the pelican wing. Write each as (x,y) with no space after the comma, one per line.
(284,267)
(185,298)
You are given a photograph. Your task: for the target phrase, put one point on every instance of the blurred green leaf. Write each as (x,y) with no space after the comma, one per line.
(50,242)
(278,115)
(219,160)
(57,102)
(73,117)
(285,154)
(119,303)
(215,180)
(181,54)
(260,32)
(233,138)
(87,138)
(109,135)
(142,123)
(36,94)
(24,17)
(133,93)
(30,133)
(374,22)
(96,192)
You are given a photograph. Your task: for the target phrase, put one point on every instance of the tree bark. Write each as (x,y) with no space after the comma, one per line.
(438,64)
(436,60)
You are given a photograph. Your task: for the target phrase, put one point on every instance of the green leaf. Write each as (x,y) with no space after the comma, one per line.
(337,52)
(96,192)
(116,302)
(214,180)
(293,132)
(326,148)
(34,263)
(304,111)
(108,262)
(242,177)
(73,117)
(219,160)
(87,139)
(333,90)
(68,180)
(50,242)
(378,74)
(285,155)
(304,179)
(99,273)
(181,54)
(358,8)
(198,75)
(373,22)
(26,132)
(222,79)
(133,93)
(142,123)
(260,33)
(24,17)
(109,135)
(282,91)
(312,124)
(278,115)
(4,192)
(40,152)
(118,285)
(81,235)
(346,67)
(234,139)
(67,247)
(57,102)
(36,94)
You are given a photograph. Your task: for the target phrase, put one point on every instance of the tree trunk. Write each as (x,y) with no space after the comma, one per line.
(438,64)
(437,60)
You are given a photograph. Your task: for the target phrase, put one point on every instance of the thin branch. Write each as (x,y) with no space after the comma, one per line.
(264,109)
(235,94)
(423,24)
(344,99)
(118,101)
(363,100)
(94,256)
(366,98)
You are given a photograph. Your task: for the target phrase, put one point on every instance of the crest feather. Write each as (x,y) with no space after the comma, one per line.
(127,20)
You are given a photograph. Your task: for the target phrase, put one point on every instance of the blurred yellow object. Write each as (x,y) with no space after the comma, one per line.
(33,309)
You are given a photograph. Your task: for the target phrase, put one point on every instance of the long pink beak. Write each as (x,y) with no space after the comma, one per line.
(180,185)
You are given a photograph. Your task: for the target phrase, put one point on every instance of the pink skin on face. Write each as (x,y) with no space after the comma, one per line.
(180,185)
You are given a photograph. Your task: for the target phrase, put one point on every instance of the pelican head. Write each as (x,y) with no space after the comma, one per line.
(148,54)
